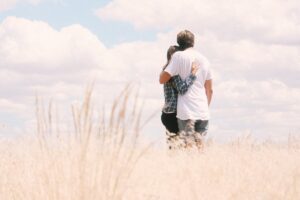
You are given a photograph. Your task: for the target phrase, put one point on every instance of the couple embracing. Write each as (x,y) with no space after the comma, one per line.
(188,92)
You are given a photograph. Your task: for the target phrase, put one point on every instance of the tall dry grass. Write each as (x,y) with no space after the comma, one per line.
(103,159)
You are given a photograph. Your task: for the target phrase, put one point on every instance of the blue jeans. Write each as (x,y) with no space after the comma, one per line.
(191,126)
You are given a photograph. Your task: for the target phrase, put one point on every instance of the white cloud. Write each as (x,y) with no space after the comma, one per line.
(35,42)
(59,63)
(7,4)
(256,87)
(272,21)
(10,107)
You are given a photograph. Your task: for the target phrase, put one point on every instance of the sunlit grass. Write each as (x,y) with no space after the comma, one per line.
(103,159)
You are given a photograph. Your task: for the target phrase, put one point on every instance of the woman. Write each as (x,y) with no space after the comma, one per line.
(172,88)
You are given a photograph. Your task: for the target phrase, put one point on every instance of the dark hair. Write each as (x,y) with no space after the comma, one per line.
(172,49)
(185,39)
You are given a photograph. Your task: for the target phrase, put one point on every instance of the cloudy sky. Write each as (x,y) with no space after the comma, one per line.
(54,48)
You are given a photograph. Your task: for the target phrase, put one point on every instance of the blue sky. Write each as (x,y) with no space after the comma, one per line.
(56,47)
(63,13)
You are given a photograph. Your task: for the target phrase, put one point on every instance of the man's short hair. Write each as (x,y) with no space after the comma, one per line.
(185,39)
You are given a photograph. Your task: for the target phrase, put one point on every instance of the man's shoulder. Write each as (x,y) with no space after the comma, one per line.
(192,52)
(203,59)
(198,54)
(182,54)
(178,54)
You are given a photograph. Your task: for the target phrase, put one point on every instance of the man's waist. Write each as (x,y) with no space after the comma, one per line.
(196,102)
(194,116)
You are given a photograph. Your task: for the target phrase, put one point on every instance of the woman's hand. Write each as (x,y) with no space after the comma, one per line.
(195,67)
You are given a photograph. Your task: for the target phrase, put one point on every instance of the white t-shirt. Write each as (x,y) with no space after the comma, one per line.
(193,104)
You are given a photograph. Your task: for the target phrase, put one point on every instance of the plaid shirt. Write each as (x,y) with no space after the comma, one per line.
(171,89)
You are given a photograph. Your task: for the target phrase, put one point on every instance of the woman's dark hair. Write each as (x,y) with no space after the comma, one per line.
(172,49)
(185,39)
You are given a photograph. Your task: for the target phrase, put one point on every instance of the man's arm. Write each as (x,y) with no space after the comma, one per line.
(171,69)
(208,90)
(164,77)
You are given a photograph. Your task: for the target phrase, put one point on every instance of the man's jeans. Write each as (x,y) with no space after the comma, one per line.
(193,130)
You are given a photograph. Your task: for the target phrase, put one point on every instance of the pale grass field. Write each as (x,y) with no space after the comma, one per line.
(109,162)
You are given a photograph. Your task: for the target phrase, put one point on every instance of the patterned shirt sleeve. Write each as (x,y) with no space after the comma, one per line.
(183,86)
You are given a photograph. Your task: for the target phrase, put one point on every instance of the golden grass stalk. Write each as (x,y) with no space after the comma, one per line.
(103,159)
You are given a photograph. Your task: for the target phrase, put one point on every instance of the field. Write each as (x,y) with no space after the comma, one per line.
(106,160)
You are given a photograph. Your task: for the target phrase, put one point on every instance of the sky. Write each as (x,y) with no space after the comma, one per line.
(55,48)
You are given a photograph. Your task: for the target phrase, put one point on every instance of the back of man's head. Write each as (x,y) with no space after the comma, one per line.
(185,39)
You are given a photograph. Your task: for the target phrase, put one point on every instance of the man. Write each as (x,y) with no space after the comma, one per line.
(192,107)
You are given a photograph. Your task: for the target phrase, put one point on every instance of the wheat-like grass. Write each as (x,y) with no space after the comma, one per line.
(103,159)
